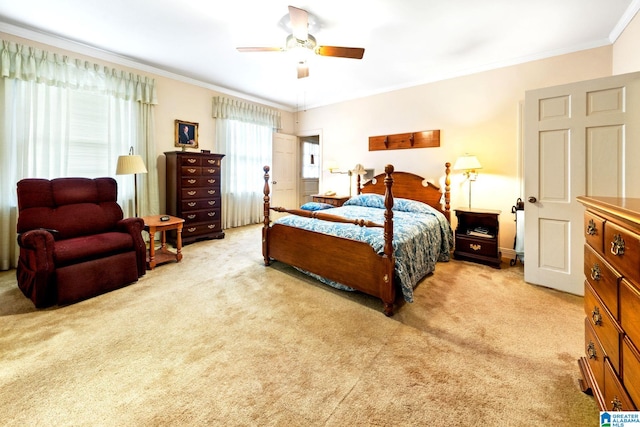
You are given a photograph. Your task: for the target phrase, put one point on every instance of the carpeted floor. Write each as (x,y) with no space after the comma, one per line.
(220,339)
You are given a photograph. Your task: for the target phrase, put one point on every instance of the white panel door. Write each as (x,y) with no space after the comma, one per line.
(284,172)
(580,139)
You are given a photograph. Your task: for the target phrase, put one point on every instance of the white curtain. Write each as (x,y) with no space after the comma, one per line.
(63,117)
(244,135)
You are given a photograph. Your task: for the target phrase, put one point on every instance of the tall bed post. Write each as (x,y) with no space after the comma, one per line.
(447,189)
(388,292)
(265,228)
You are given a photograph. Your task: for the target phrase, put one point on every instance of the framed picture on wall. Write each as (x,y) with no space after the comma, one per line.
(186,134)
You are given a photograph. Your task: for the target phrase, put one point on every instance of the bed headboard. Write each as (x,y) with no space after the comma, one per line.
(407,185)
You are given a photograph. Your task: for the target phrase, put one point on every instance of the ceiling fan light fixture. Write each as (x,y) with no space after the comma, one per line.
(293,43)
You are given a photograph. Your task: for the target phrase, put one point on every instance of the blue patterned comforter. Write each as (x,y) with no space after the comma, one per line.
(422,236)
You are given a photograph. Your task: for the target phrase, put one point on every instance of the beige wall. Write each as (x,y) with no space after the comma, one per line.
(626,57)
(478,114)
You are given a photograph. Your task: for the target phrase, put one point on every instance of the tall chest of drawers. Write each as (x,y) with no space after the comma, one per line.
(611,365)
(193,193)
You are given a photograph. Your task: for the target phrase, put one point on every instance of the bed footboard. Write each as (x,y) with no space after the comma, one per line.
(349,262)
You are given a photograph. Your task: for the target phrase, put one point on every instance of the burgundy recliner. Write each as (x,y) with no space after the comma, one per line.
(74,242)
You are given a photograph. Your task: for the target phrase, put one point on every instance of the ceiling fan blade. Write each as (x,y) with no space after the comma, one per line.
(303,69)
(260,49)
(299,23)
(341,52)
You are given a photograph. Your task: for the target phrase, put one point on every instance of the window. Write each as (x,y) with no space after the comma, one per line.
(310,160)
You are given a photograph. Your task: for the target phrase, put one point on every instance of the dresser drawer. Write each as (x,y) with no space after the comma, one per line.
(199,204)
(631,370)
(594,353)
(189,160)
(630,310)
(201,216)
(622,250)
(594,231)
(211,161)
(199,193)
(199,181)
(477,246)
(615,396)
(603,325)
(194,230)
(602,278)
(210,170)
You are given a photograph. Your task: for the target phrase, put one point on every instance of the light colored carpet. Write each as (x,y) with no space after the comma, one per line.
(220,339)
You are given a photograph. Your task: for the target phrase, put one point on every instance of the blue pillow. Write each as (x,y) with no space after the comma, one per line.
(399,204)
(366,200)
(316,206)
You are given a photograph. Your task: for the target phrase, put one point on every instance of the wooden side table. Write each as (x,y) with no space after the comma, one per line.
(331,200)
(153,224)
(477,236)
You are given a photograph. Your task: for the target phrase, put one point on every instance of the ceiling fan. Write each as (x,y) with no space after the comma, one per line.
(301,39)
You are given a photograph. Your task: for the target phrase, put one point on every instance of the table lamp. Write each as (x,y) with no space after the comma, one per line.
(469,164)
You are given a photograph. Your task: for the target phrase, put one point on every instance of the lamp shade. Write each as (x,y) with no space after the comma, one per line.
(331,165)
(467,162)
(359,170)
(130,164)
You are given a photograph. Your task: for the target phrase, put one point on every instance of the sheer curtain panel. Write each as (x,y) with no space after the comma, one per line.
(64,117)
(244,134)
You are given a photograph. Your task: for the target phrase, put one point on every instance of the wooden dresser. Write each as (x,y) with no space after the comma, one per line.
(193,193)
(611,365)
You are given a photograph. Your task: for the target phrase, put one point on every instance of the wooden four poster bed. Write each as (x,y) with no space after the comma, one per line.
(369,264)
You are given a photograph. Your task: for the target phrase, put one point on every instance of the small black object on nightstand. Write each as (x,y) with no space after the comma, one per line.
(165,218)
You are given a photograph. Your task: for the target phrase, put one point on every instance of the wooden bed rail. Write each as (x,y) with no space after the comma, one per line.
(328,217)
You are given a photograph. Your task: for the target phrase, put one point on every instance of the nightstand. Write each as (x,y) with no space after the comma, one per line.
(477,236)
(330,200)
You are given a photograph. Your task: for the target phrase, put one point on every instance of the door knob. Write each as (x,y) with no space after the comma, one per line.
(274,182)
(532,199)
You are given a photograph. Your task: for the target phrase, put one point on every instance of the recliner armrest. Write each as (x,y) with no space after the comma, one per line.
(134,227)
(40,238)
(37,251)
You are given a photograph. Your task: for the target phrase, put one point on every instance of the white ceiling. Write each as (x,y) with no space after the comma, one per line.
(407,42)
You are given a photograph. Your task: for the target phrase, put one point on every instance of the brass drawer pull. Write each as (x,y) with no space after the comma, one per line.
(212,226)
(211,191)
(191,161)
(192,229)
(591,228)
(191,181)
(191,216)
(191,193)
(191,170)
(595,272)
(617,246)
(591,350)
(596,316)
(211,170)
(212,202)
(211,161)
(475,247)
(191,204)
(616,404)
(211,213)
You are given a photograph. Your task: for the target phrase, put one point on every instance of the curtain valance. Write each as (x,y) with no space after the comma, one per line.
(32,64)
(233,109)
